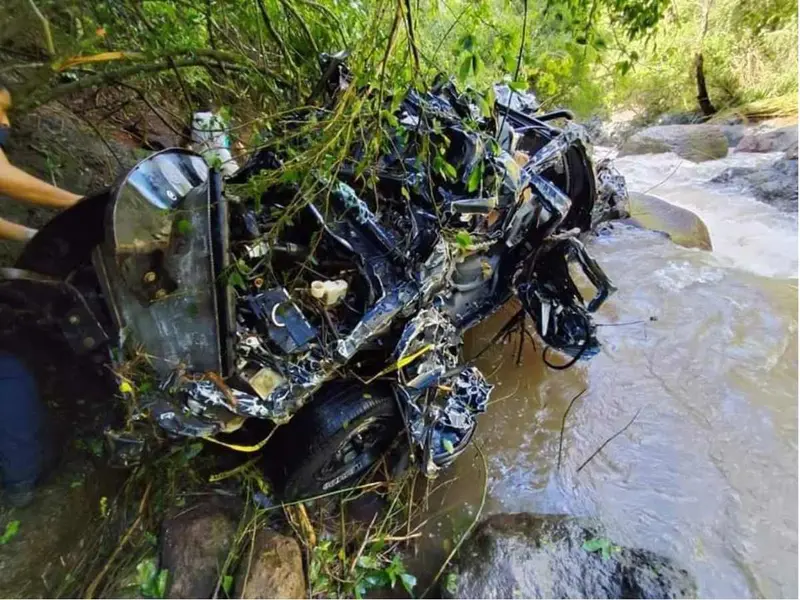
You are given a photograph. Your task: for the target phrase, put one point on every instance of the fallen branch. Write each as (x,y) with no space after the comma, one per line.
(563,421)
(115,76)
(604,444)
(48,36)
(156,112)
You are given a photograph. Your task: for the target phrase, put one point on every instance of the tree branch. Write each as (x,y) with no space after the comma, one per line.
(604,444)
(48,36)
(114,76)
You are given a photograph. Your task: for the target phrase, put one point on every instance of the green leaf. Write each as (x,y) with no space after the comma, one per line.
(463,239)
(475,178)
(161,583)
(519,86)
(450,170)
(96,446)
(192,450)
(184,226)
(227,584)
(390,118)
(146,575)
(366,561)
(405,193)
(12,527)
(465,70)
(448,446)
(451,583)
(593,545)
(486,111)
(623,67)
(235,279)
(604,545)
(477,64)
(491,98)
(408,581)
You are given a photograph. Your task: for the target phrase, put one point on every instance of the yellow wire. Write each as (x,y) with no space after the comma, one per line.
(405,360)
(231,472)
(239,448)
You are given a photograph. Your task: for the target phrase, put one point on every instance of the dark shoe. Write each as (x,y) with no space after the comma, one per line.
(20,495)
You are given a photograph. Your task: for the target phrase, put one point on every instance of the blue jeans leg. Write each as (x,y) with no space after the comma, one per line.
(21,423)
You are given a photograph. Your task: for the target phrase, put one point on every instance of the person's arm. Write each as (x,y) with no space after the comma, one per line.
(12,231)
(19,185)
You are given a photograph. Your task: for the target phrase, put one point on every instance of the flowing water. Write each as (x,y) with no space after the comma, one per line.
(702,346)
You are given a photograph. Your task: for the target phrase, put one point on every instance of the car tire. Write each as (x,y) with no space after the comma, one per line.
(336,439)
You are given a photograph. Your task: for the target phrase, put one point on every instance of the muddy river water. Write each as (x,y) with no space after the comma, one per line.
(704,346)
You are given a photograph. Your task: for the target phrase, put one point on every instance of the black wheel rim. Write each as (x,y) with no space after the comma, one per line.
(364,444)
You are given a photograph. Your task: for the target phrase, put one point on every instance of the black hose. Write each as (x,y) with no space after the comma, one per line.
(575,358)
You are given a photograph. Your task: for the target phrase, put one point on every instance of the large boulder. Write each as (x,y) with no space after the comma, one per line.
(693,142)
(275,570)
(530,556)
(774,184)
(681,225)
(775,140)
(733,133)
(194,545)
(612,131)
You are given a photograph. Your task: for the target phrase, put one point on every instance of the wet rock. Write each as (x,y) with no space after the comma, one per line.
(682,226)
(775,184)
(775,140)
(693,142)
(680,118)
(733,133)
(276,570)
(530,556)
(609,133)
(195,544)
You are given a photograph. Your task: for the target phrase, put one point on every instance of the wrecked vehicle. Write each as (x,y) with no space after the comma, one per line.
(338,317)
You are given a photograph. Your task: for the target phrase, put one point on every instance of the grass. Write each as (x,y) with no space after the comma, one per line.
(344,556)
(784,106)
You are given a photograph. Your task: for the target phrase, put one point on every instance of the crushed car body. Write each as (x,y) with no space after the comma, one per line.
(248,306)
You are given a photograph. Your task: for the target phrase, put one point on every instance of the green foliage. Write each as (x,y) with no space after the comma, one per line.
(152,582)
(371,570)
(248,57)
(463,239)
(10,532)
(227,584)
(749,51)
(602,545)
(451,583)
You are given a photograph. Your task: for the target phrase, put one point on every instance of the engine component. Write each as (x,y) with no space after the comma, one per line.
(330,293)
(275,315)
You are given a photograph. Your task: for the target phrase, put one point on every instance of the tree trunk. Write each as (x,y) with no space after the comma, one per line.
(703,100)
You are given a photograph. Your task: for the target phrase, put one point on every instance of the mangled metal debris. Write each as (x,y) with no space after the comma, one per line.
(372,284)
